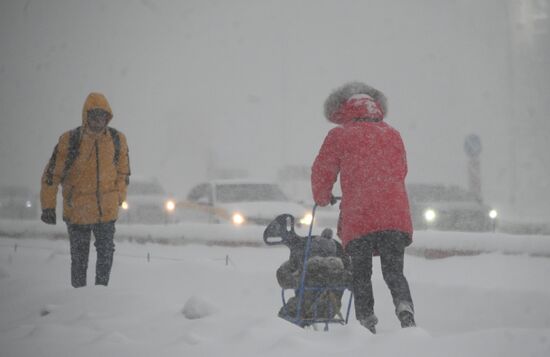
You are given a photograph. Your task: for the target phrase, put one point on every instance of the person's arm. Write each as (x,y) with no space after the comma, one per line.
(402,162)
(51,178)
(325,169)
(123,169)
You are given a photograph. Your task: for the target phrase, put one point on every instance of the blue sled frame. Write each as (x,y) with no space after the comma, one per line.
(298,320)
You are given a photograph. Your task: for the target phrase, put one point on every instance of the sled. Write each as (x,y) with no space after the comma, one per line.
(281,232)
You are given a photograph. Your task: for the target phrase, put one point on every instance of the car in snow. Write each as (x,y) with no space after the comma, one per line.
(18,202)
(295,181)
(449,208)
(147,203)
(240,202)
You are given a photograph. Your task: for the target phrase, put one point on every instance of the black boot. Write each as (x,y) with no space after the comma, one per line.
(405,314)
(370,323)
(407,319)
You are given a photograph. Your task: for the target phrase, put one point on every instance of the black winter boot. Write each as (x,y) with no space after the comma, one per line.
(407,319)
(370,323)
(405,314)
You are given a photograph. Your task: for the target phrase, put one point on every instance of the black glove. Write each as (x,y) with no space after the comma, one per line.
(333,200)
(48,216)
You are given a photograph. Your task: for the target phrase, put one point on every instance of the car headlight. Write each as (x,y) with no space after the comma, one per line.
(493,214)
(170,205)
(124,205)
(237,219)
(306,219)
(430,215)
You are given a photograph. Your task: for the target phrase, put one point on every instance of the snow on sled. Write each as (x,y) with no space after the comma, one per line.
(319,288)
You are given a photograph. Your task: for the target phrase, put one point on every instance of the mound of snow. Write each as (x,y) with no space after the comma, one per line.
(47,309)
(198,308)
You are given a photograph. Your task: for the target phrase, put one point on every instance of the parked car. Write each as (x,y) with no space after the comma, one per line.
(448,207)
(240,202)
(18,202)
(147,203)
(295,181)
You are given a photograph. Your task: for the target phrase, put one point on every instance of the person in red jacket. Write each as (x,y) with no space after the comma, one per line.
(370,158)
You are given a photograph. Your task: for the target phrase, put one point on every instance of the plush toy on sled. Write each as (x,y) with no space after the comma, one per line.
(319,288)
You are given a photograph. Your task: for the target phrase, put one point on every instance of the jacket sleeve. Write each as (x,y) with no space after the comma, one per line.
(402,161)
(326,168)
(51,178)
(123,169)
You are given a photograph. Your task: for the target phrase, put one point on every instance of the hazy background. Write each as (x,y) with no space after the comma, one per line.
(204,85)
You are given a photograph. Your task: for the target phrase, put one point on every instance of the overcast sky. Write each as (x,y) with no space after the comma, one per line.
(241,84)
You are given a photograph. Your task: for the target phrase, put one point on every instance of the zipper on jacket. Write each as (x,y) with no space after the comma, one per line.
(97,181)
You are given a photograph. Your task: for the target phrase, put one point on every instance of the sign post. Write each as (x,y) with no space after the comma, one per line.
(472,147)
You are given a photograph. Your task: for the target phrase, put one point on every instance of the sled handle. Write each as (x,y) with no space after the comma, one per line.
(304,265)
(274,240)
(279,230)
(301,288)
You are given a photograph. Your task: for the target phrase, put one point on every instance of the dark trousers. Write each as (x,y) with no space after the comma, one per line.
(391,247)
(79,236)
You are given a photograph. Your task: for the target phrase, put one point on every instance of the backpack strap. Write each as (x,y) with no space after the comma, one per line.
(73,151)
(116,142)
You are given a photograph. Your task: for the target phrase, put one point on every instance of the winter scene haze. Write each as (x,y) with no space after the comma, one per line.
(163,139)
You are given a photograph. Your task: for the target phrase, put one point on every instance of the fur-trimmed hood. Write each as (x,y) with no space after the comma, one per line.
(342,94)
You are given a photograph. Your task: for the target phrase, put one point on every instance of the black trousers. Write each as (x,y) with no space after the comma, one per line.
(80,236)
(391,247)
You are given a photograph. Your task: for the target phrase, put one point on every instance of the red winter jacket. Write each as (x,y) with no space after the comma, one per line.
(371,160)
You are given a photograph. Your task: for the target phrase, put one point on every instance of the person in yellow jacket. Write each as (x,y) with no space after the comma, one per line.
(92,166)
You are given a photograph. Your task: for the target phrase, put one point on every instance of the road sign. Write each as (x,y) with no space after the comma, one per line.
(472,145)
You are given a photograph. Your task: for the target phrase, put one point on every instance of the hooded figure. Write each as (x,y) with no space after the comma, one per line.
(95,183)
(91,164)
(370,158)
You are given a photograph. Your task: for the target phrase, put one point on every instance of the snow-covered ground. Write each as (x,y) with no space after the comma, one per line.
(198,300)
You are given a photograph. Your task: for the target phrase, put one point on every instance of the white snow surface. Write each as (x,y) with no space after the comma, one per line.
(199,300)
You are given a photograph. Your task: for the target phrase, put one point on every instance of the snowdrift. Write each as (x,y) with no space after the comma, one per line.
(197,300)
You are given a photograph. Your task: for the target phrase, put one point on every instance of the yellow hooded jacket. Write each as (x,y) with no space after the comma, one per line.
(95,183)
